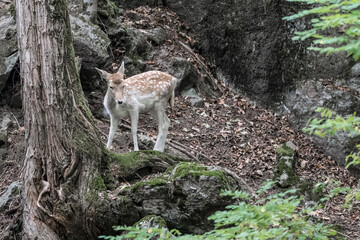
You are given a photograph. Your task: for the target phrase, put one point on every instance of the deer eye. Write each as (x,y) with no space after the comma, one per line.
(111,87)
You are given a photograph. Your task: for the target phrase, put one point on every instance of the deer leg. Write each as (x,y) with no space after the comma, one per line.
(113,127)
(163,126)
(134,117)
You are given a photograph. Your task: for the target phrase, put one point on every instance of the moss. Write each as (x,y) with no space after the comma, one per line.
(306,188)
(285,174)
(184,169)
(158,181)
(130,162)
(113,5)
(12,10)
(284,150)
(98,184)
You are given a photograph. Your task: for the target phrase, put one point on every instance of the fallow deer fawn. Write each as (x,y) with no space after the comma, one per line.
(148,92)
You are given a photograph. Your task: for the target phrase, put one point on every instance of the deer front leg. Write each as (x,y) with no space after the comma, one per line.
(134,118)
(113,127)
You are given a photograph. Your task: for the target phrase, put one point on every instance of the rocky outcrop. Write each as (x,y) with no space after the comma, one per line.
(8,41)
(91,45)
(341,95)
(184,194)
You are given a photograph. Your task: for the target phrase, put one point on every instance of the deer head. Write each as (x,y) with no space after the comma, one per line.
(115,83)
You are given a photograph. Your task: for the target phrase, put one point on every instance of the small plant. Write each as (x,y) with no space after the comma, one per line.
(352,198)
(335,25)
(330,188)
(278,216)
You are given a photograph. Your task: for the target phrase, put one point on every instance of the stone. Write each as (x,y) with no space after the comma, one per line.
(13,189)
(184,196)
(195,99)
(285,174)
(156,35)
(185,71)
(355,70)
(8,42)
(309,94)
(91,45)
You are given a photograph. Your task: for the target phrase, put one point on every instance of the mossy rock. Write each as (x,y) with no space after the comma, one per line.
(132,162)
(196,170)
(285,174)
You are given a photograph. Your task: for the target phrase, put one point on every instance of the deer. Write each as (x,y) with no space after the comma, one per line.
(148,92)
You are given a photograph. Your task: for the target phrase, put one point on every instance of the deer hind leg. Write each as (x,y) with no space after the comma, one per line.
(113,127)
(163,126)
(134,117)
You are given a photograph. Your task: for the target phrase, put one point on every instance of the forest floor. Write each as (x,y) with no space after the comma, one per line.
(227,131)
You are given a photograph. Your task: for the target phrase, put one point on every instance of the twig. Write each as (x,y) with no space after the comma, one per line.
(189,149)
(184,151)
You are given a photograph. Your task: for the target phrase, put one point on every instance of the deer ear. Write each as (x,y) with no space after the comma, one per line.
(122,68)
(102,73)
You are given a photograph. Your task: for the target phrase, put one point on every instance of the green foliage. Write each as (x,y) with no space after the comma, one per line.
(278,216)
(330,123)
(330,188)
(352,198)
(335,25)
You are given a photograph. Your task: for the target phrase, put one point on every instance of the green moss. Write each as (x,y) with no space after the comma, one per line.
(98,184)
(12,10)
(113,5)
(184,169)
(285,173)
(284,150)
(158,181)
(306,189)
(130,162)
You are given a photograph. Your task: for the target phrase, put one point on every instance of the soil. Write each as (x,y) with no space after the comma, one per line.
(227,131)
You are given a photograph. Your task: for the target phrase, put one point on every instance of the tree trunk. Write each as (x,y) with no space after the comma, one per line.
(64,150)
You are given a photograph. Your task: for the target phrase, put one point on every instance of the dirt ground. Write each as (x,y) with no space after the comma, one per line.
(227,131)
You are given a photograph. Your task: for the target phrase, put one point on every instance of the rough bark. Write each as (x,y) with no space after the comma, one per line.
(63,148)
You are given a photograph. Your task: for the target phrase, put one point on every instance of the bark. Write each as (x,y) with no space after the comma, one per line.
(64,150)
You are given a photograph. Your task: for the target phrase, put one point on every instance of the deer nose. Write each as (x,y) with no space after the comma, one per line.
(119,101)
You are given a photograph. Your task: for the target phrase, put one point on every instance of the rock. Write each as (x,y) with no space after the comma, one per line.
(185,71)
(195,99)
(13,189)
(5,124)
(284,173)
(156,35)
(355,70)
(310,94)
(8,42)
(184,196)
(91,45)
